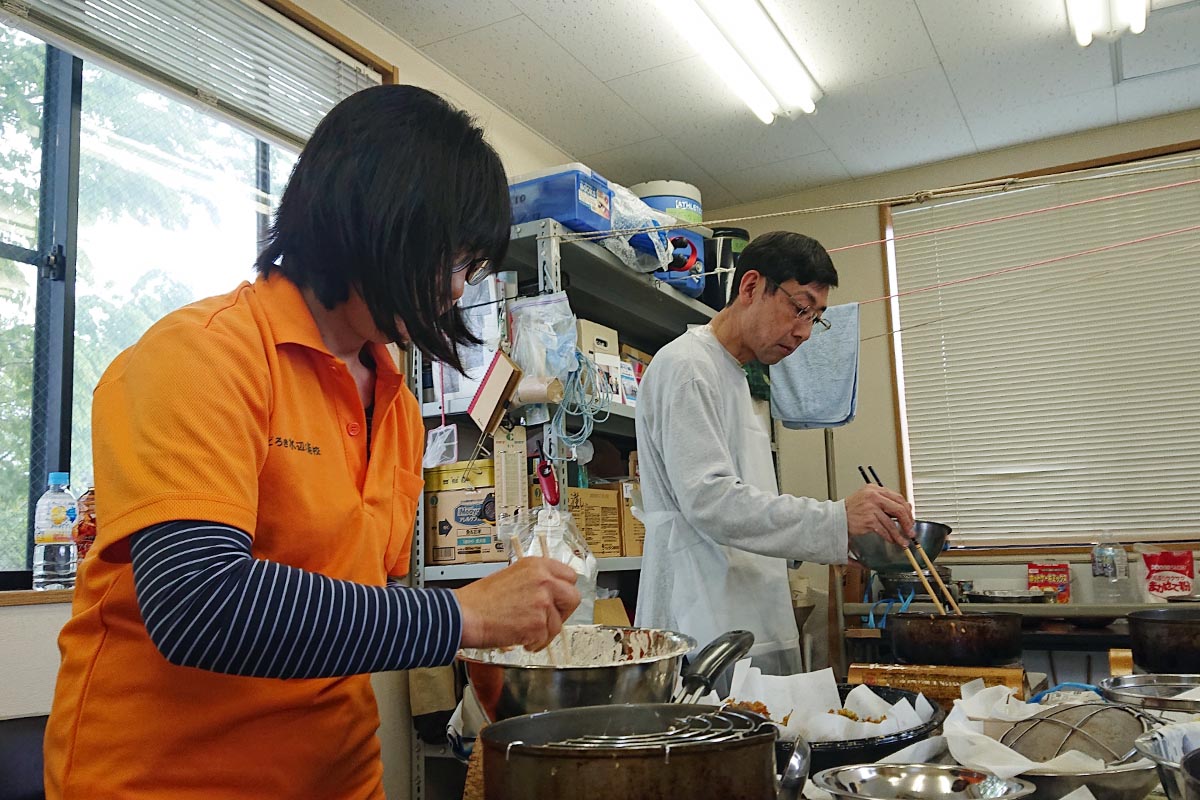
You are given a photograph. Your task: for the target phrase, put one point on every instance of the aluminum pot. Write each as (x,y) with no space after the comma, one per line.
(971,640)
(607,752)
(875,552)
(592,665)
(1166,640)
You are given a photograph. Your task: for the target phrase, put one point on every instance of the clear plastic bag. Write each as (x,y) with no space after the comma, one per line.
(552,533)
(543,335)
(629,211)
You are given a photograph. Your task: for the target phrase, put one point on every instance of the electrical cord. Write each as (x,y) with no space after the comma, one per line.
(586,394)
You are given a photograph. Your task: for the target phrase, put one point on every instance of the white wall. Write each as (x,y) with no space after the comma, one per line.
(29,657)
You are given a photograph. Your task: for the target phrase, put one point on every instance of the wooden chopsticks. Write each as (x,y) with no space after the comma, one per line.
(924,557)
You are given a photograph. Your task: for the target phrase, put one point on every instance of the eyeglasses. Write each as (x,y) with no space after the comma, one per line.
(803,312)
(477,269)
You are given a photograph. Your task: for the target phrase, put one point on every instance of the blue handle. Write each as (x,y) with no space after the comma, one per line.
(1087,687)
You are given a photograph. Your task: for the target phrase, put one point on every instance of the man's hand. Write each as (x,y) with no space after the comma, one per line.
(523,604)
(874,509)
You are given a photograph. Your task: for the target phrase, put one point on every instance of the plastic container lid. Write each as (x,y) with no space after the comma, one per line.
(59,478)
(666,189)
(574,166)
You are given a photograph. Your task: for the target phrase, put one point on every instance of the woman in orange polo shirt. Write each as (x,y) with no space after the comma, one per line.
(258,465)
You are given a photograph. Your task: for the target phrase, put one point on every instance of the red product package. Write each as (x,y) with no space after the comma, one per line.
(1052,576)
(1169,573)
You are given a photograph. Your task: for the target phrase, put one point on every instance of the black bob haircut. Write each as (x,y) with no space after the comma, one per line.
(781,256)
(394,188)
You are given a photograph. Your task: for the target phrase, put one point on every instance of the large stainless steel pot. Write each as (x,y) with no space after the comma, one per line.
(595,665)
(875,552)
(1166,640)
(970,640)
(646,752)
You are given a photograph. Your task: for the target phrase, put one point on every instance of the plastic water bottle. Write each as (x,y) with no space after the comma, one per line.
(1110,571)
(54,553)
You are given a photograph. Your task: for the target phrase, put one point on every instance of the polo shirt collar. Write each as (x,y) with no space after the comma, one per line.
(292,323)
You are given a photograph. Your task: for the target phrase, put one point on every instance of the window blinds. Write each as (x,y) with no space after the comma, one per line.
(236,56)
(1047,404)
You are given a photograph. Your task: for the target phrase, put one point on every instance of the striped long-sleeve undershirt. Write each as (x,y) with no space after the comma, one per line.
(209,603)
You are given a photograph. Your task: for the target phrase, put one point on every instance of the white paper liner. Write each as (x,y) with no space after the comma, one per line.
(804,701)
(971,747)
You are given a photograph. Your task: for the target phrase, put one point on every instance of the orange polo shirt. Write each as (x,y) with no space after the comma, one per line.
(231,410)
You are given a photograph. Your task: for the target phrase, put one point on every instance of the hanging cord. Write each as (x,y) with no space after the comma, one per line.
(586,394)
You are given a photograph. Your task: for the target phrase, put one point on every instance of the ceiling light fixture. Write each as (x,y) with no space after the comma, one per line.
(742,43)
(1105,19)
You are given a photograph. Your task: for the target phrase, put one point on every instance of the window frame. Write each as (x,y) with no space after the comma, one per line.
(1032,546)
(54,257)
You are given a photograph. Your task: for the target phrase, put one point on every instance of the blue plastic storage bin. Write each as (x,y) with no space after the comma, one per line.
(572,194)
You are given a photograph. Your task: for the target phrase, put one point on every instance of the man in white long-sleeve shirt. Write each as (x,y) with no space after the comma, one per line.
(718,532)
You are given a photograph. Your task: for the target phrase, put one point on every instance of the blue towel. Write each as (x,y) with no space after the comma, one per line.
(817,386)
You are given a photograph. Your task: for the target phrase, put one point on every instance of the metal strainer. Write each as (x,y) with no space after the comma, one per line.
(1101,730)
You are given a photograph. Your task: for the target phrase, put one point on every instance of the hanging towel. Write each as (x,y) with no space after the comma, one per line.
(817,386)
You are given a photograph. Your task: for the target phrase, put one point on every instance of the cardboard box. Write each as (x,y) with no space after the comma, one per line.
(495,390)
(460,527)
(633,464)
(596,338)
(637,359)
(597,514)
(599,343)
(455,476)
(633,532)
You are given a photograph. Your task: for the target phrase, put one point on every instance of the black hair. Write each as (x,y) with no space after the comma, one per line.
(393,187)
(780,256)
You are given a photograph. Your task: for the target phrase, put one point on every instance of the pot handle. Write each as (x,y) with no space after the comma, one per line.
(716,657)
(791,784)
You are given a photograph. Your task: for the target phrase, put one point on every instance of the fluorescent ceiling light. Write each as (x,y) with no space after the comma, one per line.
(1105,19)
(745,47)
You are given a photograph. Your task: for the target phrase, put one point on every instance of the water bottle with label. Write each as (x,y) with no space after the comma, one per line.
(54,552)
(1110,571)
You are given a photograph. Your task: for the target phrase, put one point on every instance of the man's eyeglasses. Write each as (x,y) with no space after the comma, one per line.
(477,269)
(803,312)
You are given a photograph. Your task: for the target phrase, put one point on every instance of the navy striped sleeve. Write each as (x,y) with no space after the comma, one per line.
(207,602)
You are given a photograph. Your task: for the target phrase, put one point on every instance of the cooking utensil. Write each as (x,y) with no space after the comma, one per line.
(1007,596)
(918,782)
(637,751)
(901,584)
(1130,782)
(1190,767)
(709,663)
(826,755)
(1166,640)
(977,639)
(877,553)
(1157,692)
(609,665)
(1101,730)
(915,545)
(1166,747)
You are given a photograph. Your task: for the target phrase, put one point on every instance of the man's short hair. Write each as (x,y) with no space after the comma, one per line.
(781,256)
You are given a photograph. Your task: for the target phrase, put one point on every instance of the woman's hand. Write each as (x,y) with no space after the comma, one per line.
(523,604)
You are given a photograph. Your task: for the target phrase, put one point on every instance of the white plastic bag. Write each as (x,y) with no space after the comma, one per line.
(552,533)
(543,335)
(630,211)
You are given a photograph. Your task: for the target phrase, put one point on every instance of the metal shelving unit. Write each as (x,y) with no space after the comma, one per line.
(645,312)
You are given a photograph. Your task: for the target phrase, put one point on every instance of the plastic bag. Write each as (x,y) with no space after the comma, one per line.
(552,533)
(644,252)
(543,335)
